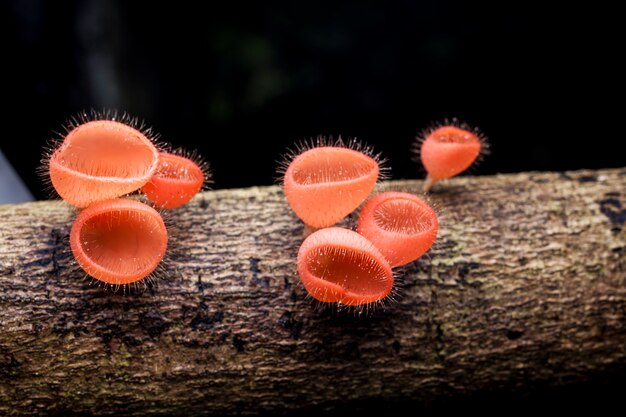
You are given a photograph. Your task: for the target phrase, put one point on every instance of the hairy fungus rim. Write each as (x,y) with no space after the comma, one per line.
(138,135)
(373,166)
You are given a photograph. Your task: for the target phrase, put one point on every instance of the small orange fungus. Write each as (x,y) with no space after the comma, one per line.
(175,182)
(402,226)
(326,183)
(339,265)
(449,150)
(118,241)
(99,160)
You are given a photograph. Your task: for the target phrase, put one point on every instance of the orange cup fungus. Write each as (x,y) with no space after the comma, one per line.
(99,160)
(176,180)
(340,266)
(326,183)
(448,150)
(402,226)
(118,241)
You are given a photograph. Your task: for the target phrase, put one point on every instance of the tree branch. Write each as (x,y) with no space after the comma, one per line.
(527,284)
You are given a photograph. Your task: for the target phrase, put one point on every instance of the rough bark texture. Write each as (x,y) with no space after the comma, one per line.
(527,285)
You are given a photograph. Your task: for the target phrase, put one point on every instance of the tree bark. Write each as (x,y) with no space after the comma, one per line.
(526,285)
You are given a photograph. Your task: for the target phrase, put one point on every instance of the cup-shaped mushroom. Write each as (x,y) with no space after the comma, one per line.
(340,266)
(449,150)
(176,180)
(401,225)
(325,184)
(100,160)
(118,241)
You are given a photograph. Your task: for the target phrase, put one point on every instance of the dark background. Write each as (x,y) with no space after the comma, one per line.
(245,81)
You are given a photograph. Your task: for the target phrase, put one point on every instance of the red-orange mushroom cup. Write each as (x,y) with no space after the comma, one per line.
(324,184)
(340,266)
(118,241)
(99,160)
(401,225)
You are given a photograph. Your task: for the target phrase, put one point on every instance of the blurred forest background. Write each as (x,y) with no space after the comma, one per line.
(243,82)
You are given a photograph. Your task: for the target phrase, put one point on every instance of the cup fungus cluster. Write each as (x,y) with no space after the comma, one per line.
(325,183)
(121,241)
(117,240)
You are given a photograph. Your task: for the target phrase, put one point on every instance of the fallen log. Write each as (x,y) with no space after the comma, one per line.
(526,285)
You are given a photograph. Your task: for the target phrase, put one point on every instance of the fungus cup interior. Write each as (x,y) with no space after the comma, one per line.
(119,242)
(403,216)
(176,180)
(454,135)
(339,265)
(332,164)
(359,275)
(178,169)
(105,148)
